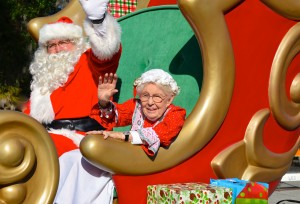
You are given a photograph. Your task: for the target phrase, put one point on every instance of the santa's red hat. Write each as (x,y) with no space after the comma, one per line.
(63,28)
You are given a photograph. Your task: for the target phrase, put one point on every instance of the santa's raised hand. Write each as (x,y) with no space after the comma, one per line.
(94,9)
(106,89)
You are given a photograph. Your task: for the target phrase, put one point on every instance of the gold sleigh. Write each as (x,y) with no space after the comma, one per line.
(29,165)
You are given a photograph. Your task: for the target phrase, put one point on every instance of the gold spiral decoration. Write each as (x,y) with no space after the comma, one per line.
(28,162)
(13,194)
(286,111)
(257,153)
(17,158)
(255,162)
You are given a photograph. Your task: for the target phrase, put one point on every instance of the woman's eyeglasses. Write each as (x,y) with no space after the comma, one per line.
(156,98)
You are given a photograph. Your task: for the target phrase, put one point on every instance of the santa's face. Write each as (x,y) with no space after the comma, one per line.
(56,46)
(51,70)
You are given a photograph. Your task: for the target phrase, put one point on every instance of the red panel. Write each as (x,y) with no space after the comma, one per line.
(161,2)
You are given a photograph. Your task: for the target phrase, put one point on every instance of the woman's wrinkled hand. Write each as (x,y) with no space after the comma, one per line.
(106,134)
(94,132)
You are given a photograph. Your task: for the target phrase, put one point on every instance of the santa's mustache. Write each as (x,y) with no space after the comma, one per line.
(51,71)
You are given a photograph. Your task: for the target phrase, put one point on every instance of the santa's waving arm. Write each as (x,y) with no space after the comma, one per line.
(103,30)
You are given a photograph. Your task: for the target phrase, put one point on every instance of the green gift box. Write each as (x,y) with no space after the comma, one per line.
(188,193)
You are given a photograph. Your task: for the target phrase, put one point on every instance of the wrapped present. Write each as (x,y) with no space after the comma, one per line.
(119,8)
(188,193)
(244,192)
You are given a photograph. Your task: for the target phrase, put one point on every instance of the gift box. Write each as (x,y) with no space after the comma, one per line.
(188,193)
(244,192)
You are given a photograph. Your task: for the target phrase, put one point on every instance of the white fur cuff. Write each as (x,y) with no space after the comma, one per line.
(105,38)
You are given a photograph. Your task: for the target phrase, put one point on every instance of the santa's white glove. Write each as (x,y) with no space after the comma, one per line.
(94,9)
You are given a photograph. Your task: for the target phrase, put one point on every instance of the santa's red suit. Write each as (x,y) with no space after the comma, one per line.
(76,97)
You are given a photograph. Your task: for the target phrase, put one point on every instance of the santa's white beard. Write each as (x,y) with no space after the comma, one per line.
(50,71)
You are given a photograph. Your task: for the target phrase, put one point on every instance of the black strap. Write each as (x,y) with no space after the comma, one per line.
(81,124)
(98,21)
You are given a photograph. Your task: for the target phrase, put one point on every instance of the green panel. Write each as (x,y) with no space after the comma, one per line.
(160,37)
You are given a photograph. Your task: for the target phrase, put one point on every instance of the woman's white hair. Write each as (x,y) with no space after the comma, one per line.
(157,76)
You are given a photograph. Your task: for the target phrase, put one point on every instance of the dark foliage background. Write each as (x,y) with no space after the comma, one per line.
(17,46)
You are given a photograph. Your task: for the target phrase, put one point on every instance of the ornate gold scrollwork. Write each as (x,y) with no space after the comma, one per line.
(286,111)
(28,161)
(254,160)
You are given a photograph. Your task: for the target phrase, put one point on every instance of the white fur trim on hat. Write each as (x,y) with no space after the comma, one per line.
(59,30)
(160,77)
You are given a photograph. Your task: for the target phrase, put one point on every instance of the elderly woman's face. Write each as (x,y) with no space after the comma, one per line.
(154,101)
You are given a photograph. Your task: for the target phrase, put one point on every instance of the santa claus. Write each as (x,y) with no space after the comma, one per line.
(66,69)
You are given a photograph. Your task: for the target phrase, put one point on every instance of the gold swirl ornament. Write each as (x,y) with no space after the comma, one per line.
(27,157)
(286,111)
(207,21)
(254,161)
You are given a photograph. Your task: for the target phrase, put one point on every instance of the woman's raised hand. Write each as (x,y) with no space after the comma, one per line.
(107,88)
